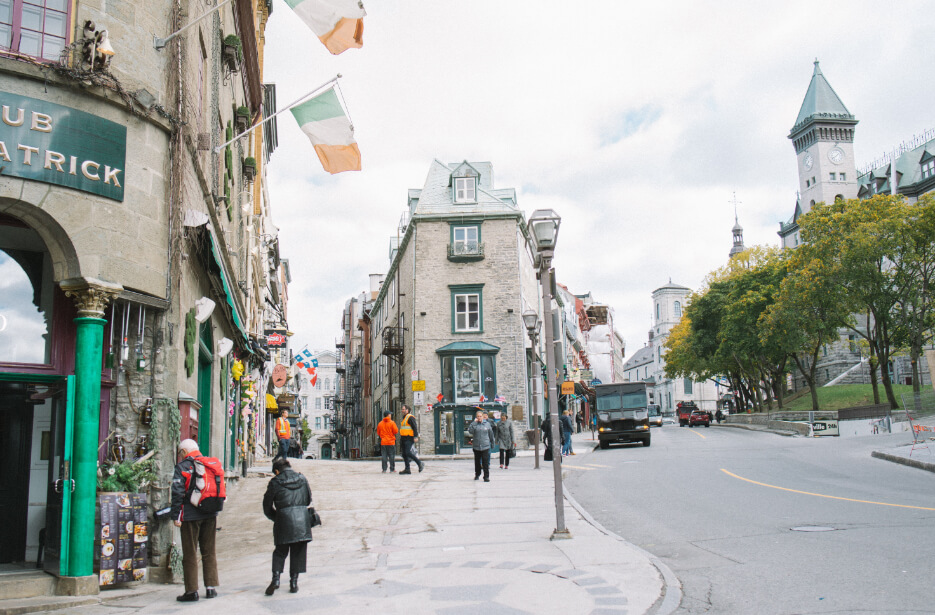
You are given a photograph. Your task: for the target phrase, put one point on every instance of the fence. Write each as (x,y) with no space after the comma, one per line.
(919,406)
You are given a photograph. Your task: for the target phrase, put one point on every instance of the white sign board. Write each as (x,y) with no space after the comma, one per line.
(418,398)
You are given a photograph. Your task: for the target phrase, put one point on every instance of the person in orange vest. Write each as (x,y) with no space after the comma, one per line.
(387,431)
(408,436)
(284,435)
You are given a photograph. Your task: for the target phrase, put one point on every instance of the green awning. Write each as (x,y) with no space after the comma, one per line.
(227,288)
(459,347)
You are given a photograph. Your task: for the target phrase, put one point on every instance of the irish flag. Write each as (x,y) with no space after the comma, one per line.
(323,119)
(338,24)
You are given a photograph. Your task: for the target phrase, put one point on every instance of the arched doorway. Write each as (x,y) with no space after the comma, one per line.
(326,451)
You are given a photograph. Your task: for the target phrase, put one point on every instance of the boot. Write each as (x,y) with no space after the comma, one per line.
(273,585)
(293,583)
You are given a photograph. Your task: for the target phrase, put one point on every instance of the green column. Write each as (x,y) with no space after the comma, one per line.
(88,360)
(91,298)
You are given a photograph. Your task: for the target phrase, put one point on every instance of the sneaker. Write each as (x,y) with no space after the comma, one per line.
(574,453)
(501,466)
(188,597)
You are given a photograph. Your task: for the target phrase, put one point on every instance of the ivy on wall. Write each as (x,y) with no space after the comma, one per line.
(191,336)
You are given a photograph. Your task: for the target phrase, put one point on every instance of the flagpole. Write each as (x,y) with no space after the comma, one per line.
(330,82)
(160,43)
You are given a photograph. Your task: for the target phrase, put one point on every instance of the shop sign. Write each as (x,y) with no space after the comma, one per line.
(825,428)
(49,143)
(275,338)
(285,401)
(280,375)
(568,388)
(585,375)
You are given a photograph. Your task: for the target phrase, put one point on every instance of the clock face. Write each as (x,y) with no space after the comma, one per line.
(836,155)
(807,162)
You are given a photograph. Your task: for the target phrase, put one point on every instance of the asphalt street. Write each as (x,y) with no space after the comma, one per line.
(754,522)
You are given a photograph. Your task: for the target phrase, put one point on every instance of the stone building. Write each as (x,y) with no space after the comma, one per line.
(446,327)
(823,137)
(137,251)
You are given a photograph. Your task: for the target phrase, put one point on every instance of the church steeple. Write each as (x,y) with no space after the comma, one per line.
(737,232)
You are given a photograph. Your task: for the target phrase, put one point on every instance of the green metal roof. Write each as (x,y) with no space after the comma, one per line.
(821,101)
(468,347)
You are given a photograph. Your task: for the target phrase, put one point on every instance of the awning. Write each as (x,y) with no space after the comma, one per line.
(456,347)
(220,282)
(271,402)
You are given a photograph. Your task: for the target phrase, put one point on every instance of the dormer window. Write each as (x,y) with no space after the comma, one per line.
(465,190)
(928,168)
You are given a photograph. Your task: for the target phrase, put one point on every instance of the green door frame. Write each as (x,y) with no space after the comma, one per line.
(205,377)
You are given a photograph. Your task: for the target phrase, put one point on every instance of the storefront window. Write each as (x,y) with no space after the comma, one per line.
(467,384)
(25,300)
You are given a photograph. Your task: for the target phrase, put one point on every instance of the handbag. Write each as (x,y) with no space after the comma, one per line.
(547,455)
(512,453)
(313,519)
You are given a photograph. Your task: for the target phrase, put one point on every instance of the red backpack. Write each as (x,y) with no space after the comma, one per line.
(206,484)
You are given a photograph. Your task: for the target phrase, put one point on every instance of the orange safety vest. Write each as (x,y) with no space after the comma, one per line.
(404,428)
(283,429)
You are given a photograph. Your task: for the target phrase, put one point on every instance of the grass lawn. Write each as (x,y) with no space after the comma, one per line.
(847,395)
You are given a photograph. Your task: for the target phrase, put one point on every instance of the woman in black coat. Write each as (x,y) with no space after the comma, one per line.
(286,503)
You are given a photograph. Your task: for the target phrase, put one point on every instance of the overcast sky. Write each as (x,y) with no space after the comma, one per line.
(636,122)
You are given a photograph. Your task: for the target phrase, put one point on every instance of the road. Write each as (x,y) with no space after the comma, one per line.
(719,507)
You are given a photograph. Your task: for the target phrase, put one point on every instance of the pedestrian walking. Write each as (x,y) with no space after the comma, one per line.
(284,435)
(546,428)
(408,436)
(569,429)
(198,528)
(482,439)
(718,415)
(506,440)
(286,503)
(579,421)
(387,431)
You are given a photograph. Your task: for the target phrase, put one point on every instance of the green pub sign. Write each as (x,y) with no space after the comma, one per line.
(59,145)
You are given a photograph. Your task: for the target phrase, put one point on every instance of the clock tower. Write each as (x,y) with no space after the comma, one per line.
(823,137)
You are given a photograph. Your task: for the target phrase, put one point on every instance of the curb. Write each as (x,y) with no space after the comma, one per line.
(671,596)
(753,428)
(906,461)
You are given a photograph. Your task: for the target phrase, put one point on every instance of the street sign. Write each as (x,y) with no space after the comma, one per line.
(418,385)
(568,388)
(418,398)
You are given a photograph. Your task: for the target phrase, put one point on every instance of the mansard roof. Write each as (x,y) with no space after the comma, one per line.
(642,356)
(821,102)
(436,196)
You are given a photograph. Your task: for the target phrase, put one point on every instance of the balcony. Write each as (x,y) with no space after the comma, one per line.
(465,252)
(393,341)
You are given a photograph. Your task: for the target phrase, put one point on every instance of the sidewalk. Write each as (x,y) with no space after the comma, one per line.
(435,542)
(920,455)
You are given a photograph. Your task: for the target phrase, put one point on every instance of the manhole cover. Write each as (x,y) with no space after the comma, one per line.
(813,528)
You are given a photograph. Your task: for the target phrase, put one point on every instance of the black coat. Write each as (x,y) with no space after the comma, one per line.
(285,503)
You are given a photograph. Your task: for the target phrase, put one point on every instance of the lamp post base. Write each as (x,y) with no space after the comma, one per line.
(560,535)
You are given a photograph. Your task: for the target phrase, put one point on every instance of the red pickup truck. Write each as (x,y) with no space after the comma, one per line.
(684,410)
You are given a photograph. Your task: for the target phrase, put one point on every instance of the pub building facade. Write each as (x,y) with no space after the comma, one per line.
(128,298)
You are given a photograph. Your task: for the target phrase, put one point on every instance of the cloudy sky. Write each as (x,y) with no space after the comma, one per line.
(636,122)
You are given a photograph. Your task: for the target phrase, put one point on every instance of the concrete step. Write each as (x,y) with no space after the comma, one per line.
(44,604)
(25,584)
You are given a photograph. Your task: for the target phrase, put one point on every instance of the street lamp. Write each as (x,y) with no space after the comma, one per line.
(543,228)
(533,324)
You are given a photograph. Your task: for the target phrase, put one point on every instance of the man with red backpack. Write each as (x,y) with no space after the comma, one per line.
(198,492)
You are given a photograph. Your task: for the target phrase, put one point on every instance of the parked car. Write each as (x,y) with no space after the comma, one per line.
(655,416)
(699,417)
(684,409)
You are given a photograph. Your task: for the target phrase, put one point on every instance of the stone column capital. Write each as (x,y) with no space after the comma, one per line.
(91,296)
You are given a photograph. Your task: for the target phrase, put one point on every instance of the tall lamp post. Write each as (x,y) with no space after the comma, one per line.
(543,228)
(533,324)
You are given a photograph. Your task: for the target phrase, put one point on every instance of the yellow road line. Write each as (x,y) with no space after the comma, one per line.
(597,465)
(822,495)
(698,433)
(576,467)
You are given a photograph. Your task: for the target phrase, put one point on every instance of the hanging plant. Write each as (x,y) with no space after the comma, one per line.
(242,119)
(127,476)
(249,168)
(232,52)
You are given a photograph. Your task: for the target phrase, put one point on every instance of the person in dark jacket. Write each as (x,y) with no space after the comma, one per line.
(198,528)
(286,503)
(506,440)
(482,439)
(568,428)
(546,428)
